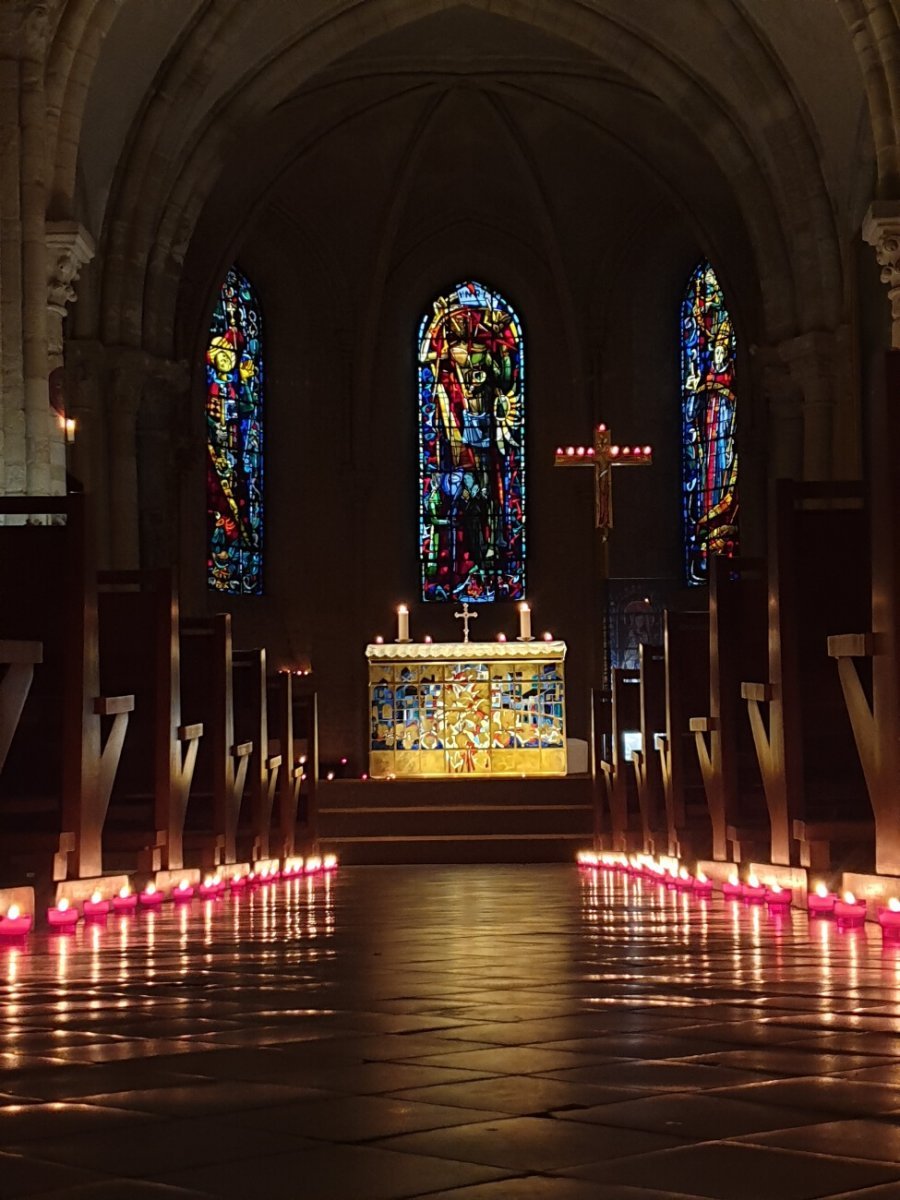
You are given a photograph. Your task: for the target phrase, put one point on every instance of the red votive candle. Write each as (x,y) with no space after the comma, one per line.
(14,923)
(684,881)
(210,887)
(183,893)
(151,896)
(732,887)
(820,903)
(850,912)
(753,890)
(888,918)
(779,897)
(330,862)
(96,909)
(313,865)
(702,886)
(63,916)
(126,901)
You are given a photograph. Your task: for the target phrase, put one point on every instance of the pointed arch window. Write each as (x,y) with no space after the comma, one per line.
(471,448)
(708,421)
(234,423)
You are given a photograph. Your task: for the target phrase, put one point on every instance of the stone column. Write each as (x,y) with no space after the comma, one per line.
(784,409)
(881,229)
(814,361)
(162,417)
(69,247)
(125,385)
(85,373)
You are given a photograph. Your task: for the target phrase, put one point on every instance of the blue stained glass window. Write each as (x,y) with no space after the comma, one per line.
(708,416)
(234,422)
(472,448)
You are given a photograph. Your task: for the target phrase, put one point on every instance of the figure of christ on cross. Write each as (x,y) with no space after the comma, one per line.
(465,616)
(603,456)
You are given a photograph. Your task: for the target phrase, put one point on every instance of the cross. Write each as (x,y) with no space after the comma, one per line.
(465,616)
(603,456)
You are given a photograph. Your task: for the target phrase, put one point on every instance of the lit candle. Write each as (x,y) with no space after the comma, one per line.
(732,885)
(329,862)
(151,896)
(524,623)
(849,911)
(183,892)
(14,923)
(210,887)
(63,916)
(313,865)
(778,896)
(702,885)
(238,882)
(888,918)
(96,909)
(684,882)
(402,623)
(820,903)
(753,890)
(126,901)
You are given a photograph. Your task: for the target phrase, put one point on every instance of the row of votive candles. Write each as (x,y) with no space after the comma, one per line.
(65,915)
(845,909)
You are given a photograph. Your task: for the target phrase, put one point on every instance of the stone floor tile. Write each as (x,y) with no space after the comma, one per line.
(39,1122)
(663,1076)
(544,1187)
(206,1096)
(23,1176)
(361,1118)
(876,1139)
(519,1094)
(123,1189)
(694,1115)
(335,1173)
(514,1060)
(734,1171)
(829,1094)
(530,1143)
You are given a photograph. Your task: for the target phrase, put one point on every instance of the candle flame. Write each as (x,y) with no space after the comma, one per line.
(775,887)
(733,879)
(96,897)
(683,873)
(821,890)
(894,904)
(849,898)
(12,913)
(753,881)
(183,886)
(124,892)
(150,889)
(701,878)
(62,905)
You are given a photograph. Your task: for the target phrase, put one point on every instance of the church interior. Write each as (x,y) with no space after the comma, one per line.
(424,795)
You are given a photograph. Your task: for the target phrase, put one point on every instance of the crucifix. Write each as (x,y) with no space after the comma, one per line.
(603,456)
(465,616)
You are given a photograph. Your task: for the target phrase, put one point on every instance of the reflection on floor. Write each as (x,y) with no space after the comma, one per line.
(474,1033)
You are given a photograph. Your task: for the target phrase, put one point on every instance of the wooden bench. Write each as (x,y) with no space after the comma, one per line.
(62,759)
(647,767)
(686,646)
(737,649)
(251,724)
(869,662)
(818,584)
(618,768)
(140,649)
(214,804)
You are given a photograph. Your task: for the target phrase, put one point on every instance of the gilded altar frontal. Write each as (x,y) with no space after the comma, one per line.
(467,709)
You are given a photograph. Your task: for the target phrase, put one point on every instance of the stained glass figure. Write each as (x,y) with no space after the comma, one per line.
(708,414)
(234,421)
(472,448)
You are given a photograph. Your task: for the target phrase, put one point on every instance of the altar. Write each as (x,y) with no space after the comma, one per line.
(441,709)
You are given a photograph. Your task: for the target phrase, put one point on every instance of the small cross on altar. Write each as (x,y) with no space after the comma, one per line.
(603,456)
(465,616)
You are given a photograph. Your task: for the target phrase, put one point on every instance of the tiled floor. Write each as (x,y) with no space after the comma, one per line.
(486,1033)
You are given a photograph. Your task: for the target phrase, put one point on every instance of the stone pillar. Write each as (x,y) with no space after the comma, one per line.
(85,392)
(162,416)
(125,385)
(69,247)
(814,361)
(881,229)
(784,409)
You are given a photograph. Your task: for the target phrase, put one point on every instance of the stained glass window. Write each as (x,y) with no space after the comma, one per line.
(708,412)
(472,448)
(234,422)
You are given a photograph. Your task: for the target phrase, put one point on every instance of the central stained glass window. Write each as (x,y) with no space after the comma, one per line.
(472,448)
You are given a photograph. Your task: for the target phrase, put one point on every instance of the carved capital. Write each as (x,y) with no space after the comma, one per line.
(69,248)
(25,28)
(881,229)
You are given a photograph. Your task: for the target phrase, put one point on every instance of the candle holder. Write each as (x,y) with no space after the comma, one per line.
(684,882)
(183,893)
(239,883)
(330,862)
(733,888)
(849,912)
(125,902)
(96,909)
(151,896)
(753,891)
(888,919)
(313,865)
(14,923)
(63,916)
(702,886)
(779,897)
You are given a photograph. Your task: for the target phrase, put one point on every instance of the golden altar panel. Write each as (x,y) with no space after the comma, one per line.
(457,708)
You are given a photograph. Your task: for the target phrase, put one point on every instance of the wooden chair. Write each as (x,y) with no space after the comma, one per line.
(686,647)
(818,583)
(140,649)
(62,759)
(737,648)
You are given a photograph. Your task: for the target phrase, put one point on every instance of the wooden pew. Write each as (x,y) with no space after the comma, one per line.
(647,769)
(306,753)
(737,649)
(869,662)
(686,646)
(818,584)
(140,649)
(62,759)
(251,723)
(221,769)
(618,768)
(19,660)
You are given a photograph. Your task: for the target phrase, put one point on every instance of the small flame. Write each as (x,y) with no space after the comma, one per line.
(183,886)
(894,904)
(150,889)
(13,912)
(124,892)
(849,898)
(683,873)
(753,881)
(733,879)
(96,897)
(701,878)
(821,890)
(62,905)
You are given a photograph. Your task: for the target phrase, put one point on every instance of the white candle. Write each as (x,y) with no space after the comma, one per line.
(402,623)
(524,622)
